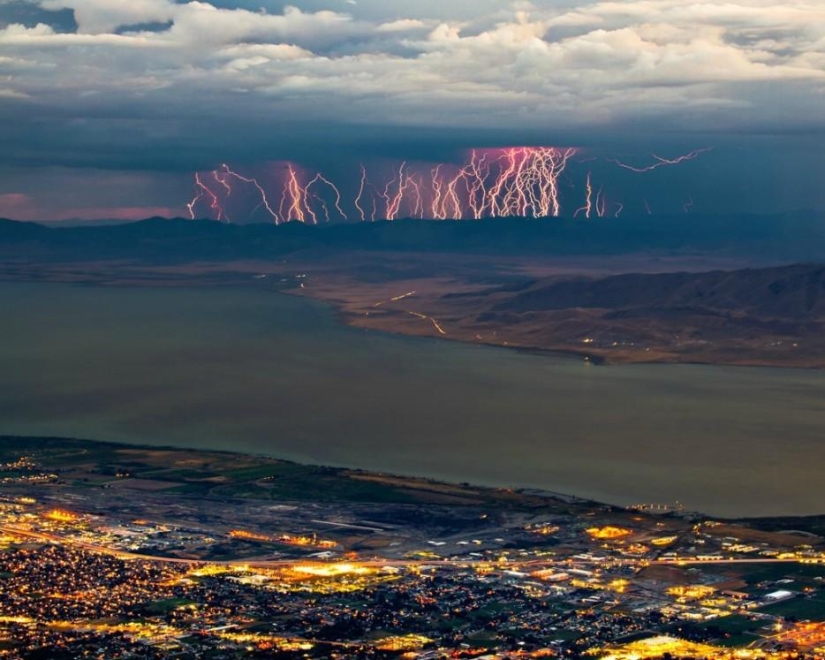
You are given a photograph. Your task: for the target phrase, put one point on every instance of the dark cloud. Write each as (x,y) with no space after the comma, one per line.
(171,87)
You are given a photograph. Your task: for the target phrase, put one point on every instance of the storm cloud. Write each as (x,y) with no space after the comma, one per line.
(160,86)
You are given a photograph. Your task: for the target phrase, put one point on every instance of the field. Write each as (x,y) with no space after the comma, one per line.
(229,475)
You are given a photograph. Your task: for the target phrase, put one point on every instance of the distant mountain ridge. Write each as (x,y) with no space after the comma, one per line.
(796,291)
(461,289)
(755,316)
(793,237)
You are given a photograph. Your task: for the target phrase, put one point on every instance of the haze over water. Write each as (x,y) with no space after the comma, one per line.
(255,371)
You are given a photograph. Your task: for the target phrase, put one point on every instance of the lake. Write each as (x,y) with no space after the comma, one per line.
(256,371)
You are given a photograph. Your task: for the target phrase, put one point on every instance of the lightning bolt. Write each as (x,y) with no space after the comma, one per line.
(205,192)
(588,199)
(198,196)
(660,162)
(361,194)
(321,179)
(294,199)
(437,194)
(489,183)
(600,202)
(264,201)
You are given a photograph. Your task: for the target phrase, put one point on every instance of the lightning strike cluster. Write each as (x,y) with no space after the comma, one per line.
(490,183)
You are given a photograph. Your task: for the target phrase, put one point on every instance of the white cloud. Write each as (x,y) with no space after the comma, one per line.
(101,16)
(544,63)
(12,94)
(402,25)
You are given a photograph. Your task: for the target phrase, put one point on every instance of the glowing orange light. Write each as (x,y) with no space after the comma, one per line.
(59,515)
(608,532)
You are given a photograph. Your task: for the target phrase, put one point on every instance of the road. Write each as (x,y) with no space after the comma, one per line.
(536,564)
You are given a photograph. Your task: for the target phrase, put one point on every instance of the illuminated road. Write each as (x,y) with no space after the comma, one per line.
(535,564)
(435,323)
(437,326)
(396,299)
(691,562)
(166,632)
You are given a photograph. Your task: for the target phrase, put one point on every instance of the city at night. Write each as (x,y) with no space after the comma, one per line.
(412,330)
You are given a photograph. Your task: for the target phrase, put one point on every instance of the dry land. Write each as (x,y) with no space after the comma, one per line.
(628,309)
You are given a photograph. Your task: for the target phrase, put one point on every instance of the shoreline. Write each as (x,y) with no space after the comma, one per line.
(601,477)
(348,318)
(351,312)
(543,493)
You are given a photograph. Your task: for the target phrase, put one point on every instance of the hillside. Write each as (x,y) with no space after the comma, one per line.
(756,316)
(631,290)
(794,237)
(795,292)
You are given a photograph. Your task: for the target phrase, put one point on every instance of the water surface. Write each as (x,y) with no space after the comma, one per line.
(255,371)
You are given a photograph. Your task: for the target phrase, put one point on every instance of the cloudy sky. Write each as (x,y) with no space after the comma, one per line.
(107,107)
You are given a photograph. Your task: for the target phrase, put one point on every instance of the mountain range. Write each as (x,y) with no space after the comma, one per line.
(537,284)
(791,237)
